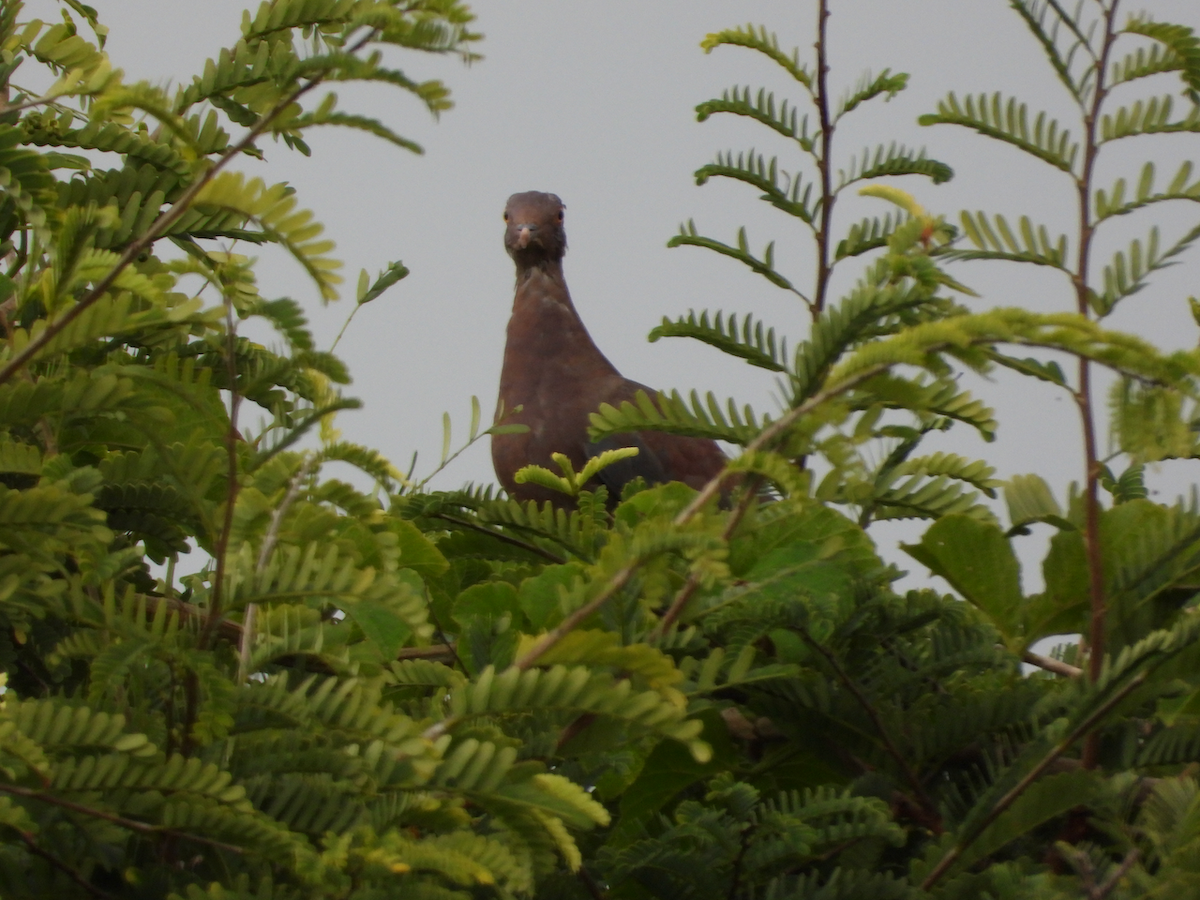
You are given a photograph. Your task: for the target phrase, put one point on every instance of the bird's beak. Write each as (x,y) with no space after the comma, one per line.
(524,235)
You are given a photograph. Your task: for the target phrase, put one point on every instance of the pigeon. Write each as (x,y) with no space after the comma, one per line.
(556,374)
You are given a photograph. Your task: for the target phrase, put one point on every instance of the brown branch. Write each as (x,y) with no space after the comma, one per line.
(928,806)
(1083,398)
(589,884)
(824,164)
(710,490)
(1010,798)
(57,863)
(231,490)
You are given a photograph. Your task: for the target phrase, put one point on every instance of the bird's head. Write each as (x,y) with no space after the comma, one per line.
(534,228)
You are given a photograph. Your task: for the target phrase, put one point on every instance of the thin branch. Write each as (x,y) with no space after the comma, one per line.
(47,100)
(709,491)
(889,745)
(768,434)
(447,646)
(500,536)
(589,884)
(130,824)
(220,549)
(57,863)
(1057,666)
(1083,397)
(246,638)
(232,631)
(739,861)
(293,491)
(140,244)
(706,494)
(1010,798)
(1101,891)
(444,652)
(1069,21)
(824,165)
(679,604)
(573,621)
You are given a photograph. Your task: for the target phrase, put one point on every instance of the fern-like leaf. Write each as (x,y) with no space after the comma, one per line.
(751,343)
(895,159)
(765,267)
(1000,242)
(1008,121)
(763,42)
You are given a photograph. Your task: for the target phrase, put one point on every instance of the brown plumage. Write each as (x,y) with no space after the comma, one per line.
(554,370)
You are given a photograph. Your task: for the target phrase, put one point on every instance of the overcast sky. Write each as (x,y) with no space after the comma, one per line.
(595,102)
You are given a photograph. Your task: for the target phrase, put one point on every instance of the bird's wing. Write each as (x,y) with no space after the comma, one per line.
(646,464)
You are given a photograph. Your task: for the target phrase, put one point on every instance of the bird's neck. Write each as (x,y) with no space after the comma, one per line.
(546,337)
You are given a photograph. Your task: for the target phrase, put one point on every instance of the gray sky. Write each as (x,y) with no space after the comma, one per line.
(595,102)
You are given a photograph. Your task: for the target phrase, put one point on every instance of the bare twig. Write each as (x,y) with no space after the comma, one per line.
(246,638)
(295,485)
(1110,883)
(774,430)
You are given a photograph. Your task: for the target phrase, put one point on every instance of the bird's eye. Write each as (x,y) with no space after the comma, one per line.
(506,215)
(560,215)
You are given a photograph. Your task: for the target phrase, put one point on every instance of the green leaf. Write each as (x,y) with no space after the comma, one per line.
(1062,608)
(750,343)
(491,600)
(668,770)
(1030,499)
(1152,116)
(870,87)
(1008,121)
(688,237)
(792,196)
(1182,43)
(978,561)
(540,597)
(782,119)
(1033,246)
(670,413)
(394,272)
(381,625)
(1046,799)
(895,159)
(765,43)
